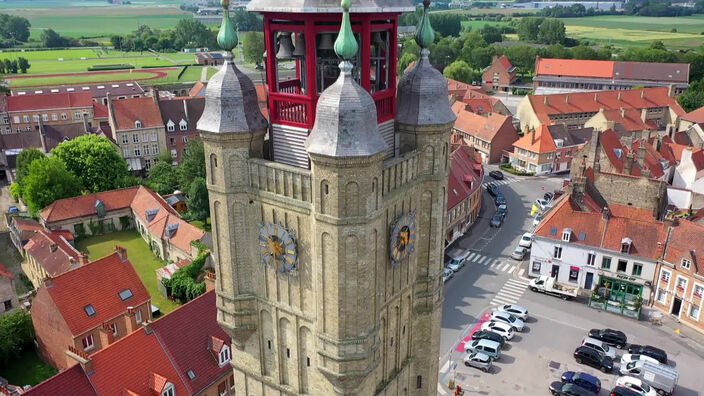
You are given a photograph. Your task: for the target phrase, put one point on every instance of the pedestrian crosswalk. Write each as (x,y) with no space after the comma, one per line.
(510,293)
(506,180)
(480,259)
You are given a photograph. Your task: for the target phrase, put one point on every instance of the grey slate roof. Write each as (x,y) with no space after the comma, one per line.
(330,6)
(650,71)
(345,122)
(422,96)
(188,109)
(231,102)
(570,137)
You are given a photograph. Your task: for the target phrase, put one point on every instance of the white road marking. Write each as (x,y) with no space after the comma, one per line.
(517,282)
(510,293)
(510,271)
(505,267)
(498,300)
(520,273)
(470,256)
(476,258)
(496,264)
(482,259)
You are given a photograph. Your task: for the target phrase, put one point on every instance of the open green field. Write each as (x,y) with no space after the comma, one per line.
(477,25)
(192,74)
(43,62)
(75,3)
(139,254)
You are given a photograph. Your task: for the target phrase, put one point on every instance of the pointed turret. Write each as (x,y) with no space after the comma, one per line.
(345,120)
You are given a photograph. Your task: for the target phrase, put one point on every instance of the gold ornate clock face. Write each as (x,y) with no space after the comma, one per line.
(277,247)
(403,238)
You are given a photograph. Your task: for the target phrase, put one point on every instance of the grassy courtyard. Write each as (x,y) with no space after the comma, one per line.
(139,254)
(28,369)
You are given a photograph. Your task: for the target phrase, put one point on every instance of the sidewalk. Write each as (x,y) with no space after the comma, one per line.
(687,335)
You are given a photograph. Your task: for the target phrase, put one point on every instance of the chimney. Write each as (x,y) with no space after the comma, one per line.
(185,110)
(619,95)
(86,124)
(628,163)
(147,326)
(532,137)
(81,357)
(209,281)
(155,95)
(671,90)
(72,262)
(107,337)
(545,100)
(644,115)
(596,97)
(605,213)
(567,99)
(121,253)
(623,111)
(131,319)
(53,247)
(82,258)
(642,93)
(48,283)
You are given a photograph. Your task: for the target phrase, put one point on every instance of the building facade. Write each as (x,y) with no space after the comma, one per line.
(534,152)
(26,112)
(499,75)
(318,293)
(491,135)
(8,294)
(99,92)
(464,198)
(180,117)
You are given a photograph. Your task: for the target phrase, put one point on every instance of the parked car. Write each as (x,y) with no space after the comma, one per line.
(480,360)
(634,357)
(492,189)
(497,220)
(488,347)
(503,210)
(623,391)
(590,357)
(500,199)
(455,263)
(567,389)
(610,336)
(650,351)
(489,335)
(542,204)
(599,346)
(548,196)
(509,319)
(498,175)
(538,218)
(526,240)
(446,275)
(519,253)
(636,384)
(515,310)
(13,209)
(503,329)
(584,380)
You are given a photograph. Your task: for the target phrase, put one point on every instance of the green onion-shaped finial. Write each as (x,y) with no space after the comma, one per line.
(227,37)
(346,44)
(424,32)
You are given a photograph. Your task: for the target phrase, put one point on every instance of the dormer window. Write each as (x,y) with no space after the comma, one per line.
(168,390)
(566,233)
(686,264)
(626,245)
(183,125)
(224,356)
(170,126)
(138,124)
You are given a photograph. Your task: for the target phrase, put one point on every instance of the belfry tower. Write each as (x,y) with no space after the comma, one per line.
(329,272)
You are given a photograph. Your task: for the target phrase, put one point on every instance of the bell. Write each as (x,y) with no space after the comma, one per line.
(378,41)
(285,46)
(300,50)
(326,42)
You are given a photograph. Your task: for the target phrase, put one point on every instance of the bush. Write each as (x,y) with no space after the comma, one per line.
(508,168)
(16,334)
(15,191)
(183,286)
(111,67)
(521,91)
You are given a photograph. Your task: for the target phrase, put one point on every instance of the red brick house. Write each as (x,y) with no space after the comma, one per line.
(180,117)
(89,307)
(464,198)
(49,254)
(481,103)
(490,135)
(499,75)
(155,360)
(26,111)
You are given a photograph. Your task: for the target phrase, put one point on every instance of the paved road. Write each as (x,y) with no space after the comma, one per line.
(540,354)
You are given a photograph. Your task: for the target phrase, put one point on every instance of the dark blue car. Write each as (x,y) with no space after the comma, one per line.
(500,199)
(584,380)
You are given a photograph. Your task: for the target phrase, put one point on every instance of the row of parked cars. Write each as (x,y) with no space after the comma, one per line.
(454,261)
(644,369)
(486,343)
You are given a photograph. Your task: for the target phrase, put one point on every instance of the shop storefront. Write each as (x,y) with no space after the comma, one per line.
(621,294)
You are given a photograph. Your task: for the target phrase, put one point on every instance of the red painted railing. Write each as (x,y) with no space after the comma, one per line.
(384,106)
(290,110)
(290,86)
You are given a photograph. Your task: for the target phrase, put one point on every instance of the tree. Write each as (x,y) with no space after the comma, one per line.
(117,42)
(163,178)
(253,47)
(8,65)
(447,24)
(557,51)
(491,34)
(458,70)
(23,64)
(528,29)
(47,181)
(192,163)
(583,52)
(16,334)
(693,97)
(13,66)
(198,203)
(94,160)
(481,57)
(193,33)
(24,159)
(51,39)
(14,27)
(247,21)
(551,31)
(406,60)
(522,56)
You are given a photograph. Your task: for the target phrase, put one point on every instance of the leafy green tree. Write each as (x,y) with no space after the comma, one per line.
(117,41)
(528,29)
(693,97)
(164,43)
(192,163)
(584,52)
(458,70)
(447,24)
(522,56)
(47,181)
(441,53)
(247,21)
(13,66)
(165,156)
(14,27)
(193,33)
(481,57)
(16,334)
(198,203)
(557,51)
(23,64)
(491,34)
(253,47)
(163,178)
(657,44)
(24,159)
(8,65)
(406,59)
(551,31)
(94,160)
(51,39)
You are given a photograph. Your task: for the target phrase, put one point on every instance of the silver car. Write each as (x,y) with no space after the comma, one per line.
(507,318)
(519,253)
(479,360)
(515,310)
(446,274)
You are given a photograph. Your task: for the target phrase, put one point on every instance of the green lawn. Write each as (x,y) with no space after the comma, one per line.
(477,25)
(141,257)
(28,369)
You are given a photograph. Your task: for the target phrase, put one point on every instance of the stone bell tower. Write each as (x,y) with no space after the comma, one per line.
(329,278)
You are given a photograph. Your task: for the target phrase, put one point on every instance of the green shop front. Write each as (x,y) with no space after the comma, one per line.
(618,293)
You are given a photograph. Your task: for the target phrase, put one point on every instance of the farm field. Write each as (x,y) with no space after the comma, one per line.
(476,25)
(43,62)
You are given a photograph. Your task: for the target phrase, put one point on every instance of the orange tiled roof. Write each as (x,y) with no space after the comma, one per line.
(52,252)
(684,239)
(645,236)
(98,284)
(565,215)
(463,179)
(630,119)
(61,100)
(695,115)
(84,205)
(574,67)
(483,127)
(100,110)
(538,141)
(127,111)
